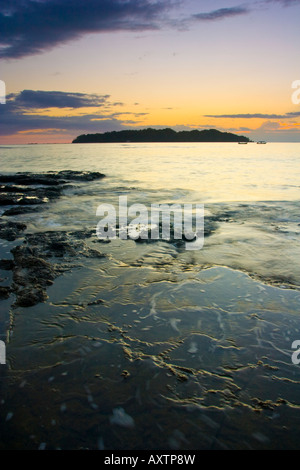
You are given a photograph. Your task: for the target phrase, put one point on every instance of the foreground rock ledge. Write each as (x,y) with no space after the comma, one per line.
(28,192)
(42,256)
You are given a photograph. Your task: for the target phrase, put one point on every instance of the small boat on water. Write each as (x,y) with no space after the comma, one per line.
(243,143)
(261,142)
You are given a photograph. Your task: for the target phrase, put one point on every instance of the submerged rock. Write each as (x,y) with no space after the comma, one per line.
(34,189)
(6,264)
(4,292)
(32,270)
(50,178)
(11,230)
(30,296)
(17,210)
(63,244)
(32,274)
(38,262)
(9,199)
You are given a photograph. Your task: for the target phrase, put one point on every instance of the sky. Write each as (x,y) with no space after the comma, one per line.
(71,67)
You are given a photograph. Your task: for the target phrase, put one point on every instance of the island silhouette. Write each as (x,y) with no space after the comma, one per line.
(160,135)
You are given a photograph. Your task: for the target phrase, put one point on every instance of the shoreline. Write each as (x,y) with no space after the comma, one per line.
(101,332)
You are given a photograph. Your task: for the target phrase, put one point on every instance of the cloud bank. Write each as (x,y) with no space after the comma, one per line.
(30,110)
(31,26)
(55,99)
(220,14)
(33,112)
(255,116)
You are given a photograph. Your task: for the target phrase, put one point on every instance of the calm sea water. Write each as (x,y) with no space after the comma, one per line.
(187,349)
(211,172)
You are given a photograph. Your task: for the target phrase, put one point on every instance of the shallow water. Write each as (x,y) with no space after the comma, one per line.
(152,346)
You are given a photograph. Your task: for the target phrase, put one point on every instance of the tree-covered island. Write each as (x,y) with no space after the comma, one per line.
(160,135)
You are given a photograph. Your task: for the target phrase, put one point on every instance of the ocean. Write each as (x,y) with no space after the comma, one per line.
(143,345)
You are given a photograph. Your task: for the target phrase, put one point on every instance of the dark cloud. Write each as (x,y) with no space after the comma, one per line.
(14,116)
(255,115)
(220,14)
(285,3)
(31,26)
(55,99)
(73,125)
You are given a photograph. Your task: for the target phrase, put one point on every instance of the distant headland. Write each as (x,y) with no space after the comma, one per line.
(160,135)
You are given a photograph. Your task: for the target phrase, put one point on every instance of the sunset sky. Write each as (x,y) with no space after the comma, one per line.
(72,67)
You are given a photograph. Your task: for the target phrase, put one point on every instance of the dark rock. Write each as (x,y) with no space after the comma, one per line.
(30,296)
(4,292)
(64,244)
(71,175)
(50,178)
(34,189)
(17,210)
(81,234)
(50,193)
(95,302)
(11,230)
(12,199)
(6,264)
(26,200)
(31,269)
(9,188)
(210,226)
(32,272)
(9,199)
(27,179)
(125,374)
(60,248)
(91,253)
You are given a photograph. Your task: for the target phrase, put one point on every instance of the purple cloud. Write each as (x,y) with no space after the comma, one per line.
(55,99)
(255,116)
(220,14)
(14,117)
(31,26)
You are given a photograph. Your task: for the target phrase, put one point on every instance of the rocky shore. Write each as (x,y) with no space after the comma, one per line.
(37,259)
(27,191)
